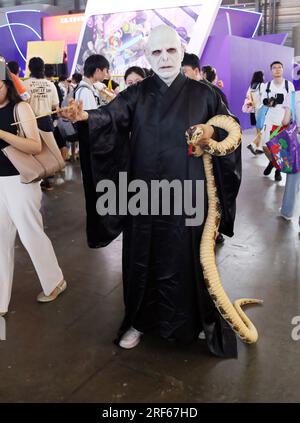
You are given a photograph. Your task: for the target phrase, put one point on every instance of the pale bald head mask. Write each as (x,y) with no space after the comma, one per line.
(165,52)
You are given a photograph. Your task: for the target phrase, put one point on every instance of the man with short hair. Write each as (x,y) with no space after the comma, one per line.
(210,74)
(273,96)
(14,67)
(96,69)
(15,71)
(43,94)
(191,69)
(43,101)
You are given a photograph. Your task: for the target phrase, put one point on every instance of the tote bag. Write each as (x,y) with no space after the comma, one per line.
(284,146)
(34,167)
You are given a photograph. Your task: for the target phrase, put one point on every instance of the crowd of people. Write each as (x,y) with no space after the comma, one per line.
(42,95)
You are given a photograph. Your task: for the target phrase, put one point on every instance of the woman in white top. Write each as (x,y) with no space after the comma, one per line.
(20,203)
(252,103)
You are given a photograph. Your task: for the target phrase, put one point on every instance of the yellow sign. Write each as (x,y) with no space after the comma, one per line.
(51,52)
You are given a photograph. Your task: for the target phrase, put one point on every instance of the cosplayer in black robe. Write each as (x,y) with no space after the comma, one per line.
(143,132)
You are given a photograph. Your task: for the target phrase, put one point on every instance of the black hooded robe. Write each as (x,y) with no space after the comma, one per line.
(142,132)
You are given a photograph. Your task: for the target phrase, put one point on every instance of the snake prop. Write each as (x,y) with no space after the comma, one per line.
(232,313)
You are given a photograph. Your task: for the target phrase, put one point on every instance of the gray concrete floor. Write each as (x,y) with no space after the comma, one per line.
(63,351)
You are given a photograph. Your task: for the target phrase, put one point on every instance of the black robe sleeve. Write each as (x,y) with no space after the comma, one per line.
(104,153)
(228,173)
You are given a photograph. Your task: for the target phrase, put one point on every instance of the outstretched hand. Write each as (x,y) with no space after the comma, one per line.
(74,111)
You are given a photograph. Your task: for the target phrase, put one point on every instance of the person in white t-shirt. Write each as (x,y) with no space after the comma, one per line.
(291,192)
(274,94)
(43,100)
(96,69)
(43,94)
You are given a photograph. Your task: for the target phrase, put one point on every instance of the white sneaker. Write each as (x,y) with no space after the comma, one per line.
(130,339)
(202,335)
(59,181)
(285,217)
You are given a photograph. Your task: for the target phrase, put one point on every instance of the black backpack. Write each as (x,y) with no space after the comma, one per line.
(79,88)
(286,82)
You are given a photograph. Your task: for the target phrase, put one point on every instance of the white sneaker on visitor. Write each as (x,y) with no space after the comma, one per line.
(59,181)
(202,335)
(130,339)
(285,217)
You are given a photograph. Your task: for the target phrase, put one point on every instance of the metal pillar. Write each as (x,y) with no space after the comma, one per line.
(274,16)
(265,12)
(76,5)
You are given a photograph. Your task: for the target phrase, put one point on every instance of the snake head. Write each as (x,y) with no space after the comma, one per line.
(190,132)
(193,135)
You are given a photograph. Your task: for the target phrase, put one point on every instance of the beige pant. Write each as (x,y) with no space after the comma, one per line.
(20,211)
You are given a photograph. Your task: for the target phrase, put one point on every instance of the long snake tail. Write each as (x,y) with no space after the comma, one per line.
(232,313)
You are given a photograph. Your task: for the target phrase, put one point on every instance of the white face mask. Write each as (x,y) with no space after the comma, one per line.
(165,53)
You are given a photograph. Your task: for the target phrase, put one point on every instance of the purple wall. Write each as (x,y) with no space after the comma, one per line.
(21,26)
(71,50)
(236,61)
(242,23)
(279,39)
(220,60)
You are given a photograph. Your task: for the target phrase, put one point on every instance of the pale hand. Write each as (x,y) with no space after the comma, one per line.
(74,112)
(205,132)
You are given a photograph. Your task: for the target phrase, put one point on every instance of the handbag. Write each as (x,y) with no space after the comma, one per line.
(249,106)
(284,146)
(34,167)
